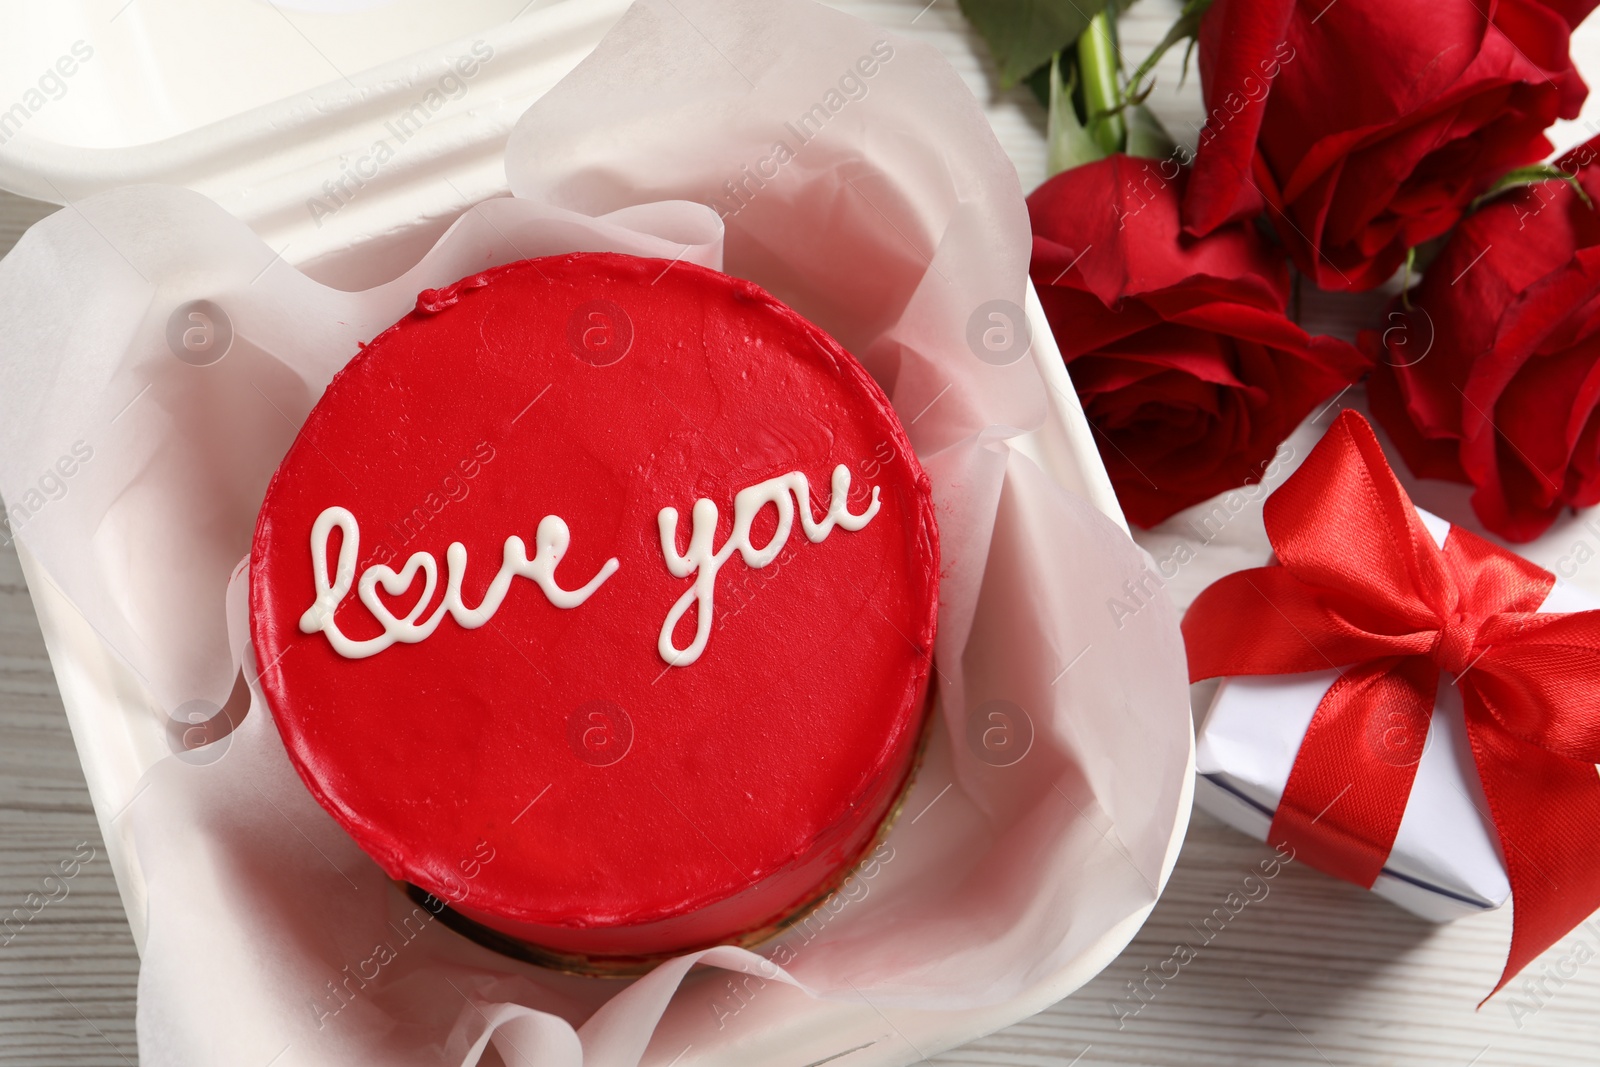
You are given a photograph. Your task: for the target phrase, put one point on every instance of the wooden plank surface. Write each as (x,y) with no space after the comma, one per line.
(67,965)
(1310,971)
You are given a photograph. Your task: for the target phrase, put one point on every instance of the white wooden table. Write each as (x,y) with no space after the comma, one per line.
(1313,972)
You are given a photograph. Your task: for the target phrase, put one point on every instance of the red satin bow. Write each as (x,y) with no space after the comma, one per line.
(1362,586)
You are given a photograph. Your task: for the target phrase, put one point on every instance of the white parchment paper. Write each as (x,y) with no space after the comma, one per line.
(894,221)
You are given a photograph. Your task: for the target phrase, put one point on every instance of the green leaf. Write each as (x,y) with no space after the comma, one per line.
(1147,138)
(1524,176)
(1067,143)
(1039,83)
(1186,28)
(1024,34)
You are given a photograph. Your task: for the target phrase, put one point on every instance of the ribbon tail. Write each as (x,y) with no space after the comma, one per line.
(1348,788)
(1546,810)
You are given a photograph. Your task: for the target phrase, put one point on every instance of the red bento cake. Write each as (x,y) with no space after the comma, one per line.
(597,599)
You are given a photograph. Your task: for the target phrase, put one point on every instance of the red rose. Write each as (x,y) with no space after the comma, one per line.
(1369,126)
(1186,366)
(1492,377)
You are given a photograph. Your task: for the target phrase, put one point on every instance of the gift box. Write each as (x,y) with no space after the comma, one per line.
(1405,705)
(1446,861)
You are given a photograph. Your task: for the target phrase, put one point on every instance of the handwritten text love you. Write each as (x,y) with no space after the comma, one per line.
(789,494)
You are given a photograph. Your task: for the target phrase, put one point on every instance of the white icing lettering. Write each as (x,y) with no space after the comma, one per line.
(550,545)
(702,561)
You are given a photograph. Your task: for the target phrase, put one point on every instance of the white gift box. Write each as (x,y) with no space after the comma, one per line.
(1446,860)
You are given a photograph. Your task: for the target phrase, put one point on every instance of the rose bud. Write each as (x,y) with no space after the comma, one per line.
(1367,127)
(1492,374)
(1187,368)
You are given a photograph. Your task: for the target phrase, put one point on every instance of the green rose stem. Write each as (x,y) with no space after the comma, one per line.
(1102,97)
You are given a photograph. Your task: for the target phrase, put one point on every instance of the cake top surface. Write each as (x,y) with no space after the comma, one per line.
(615,570)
